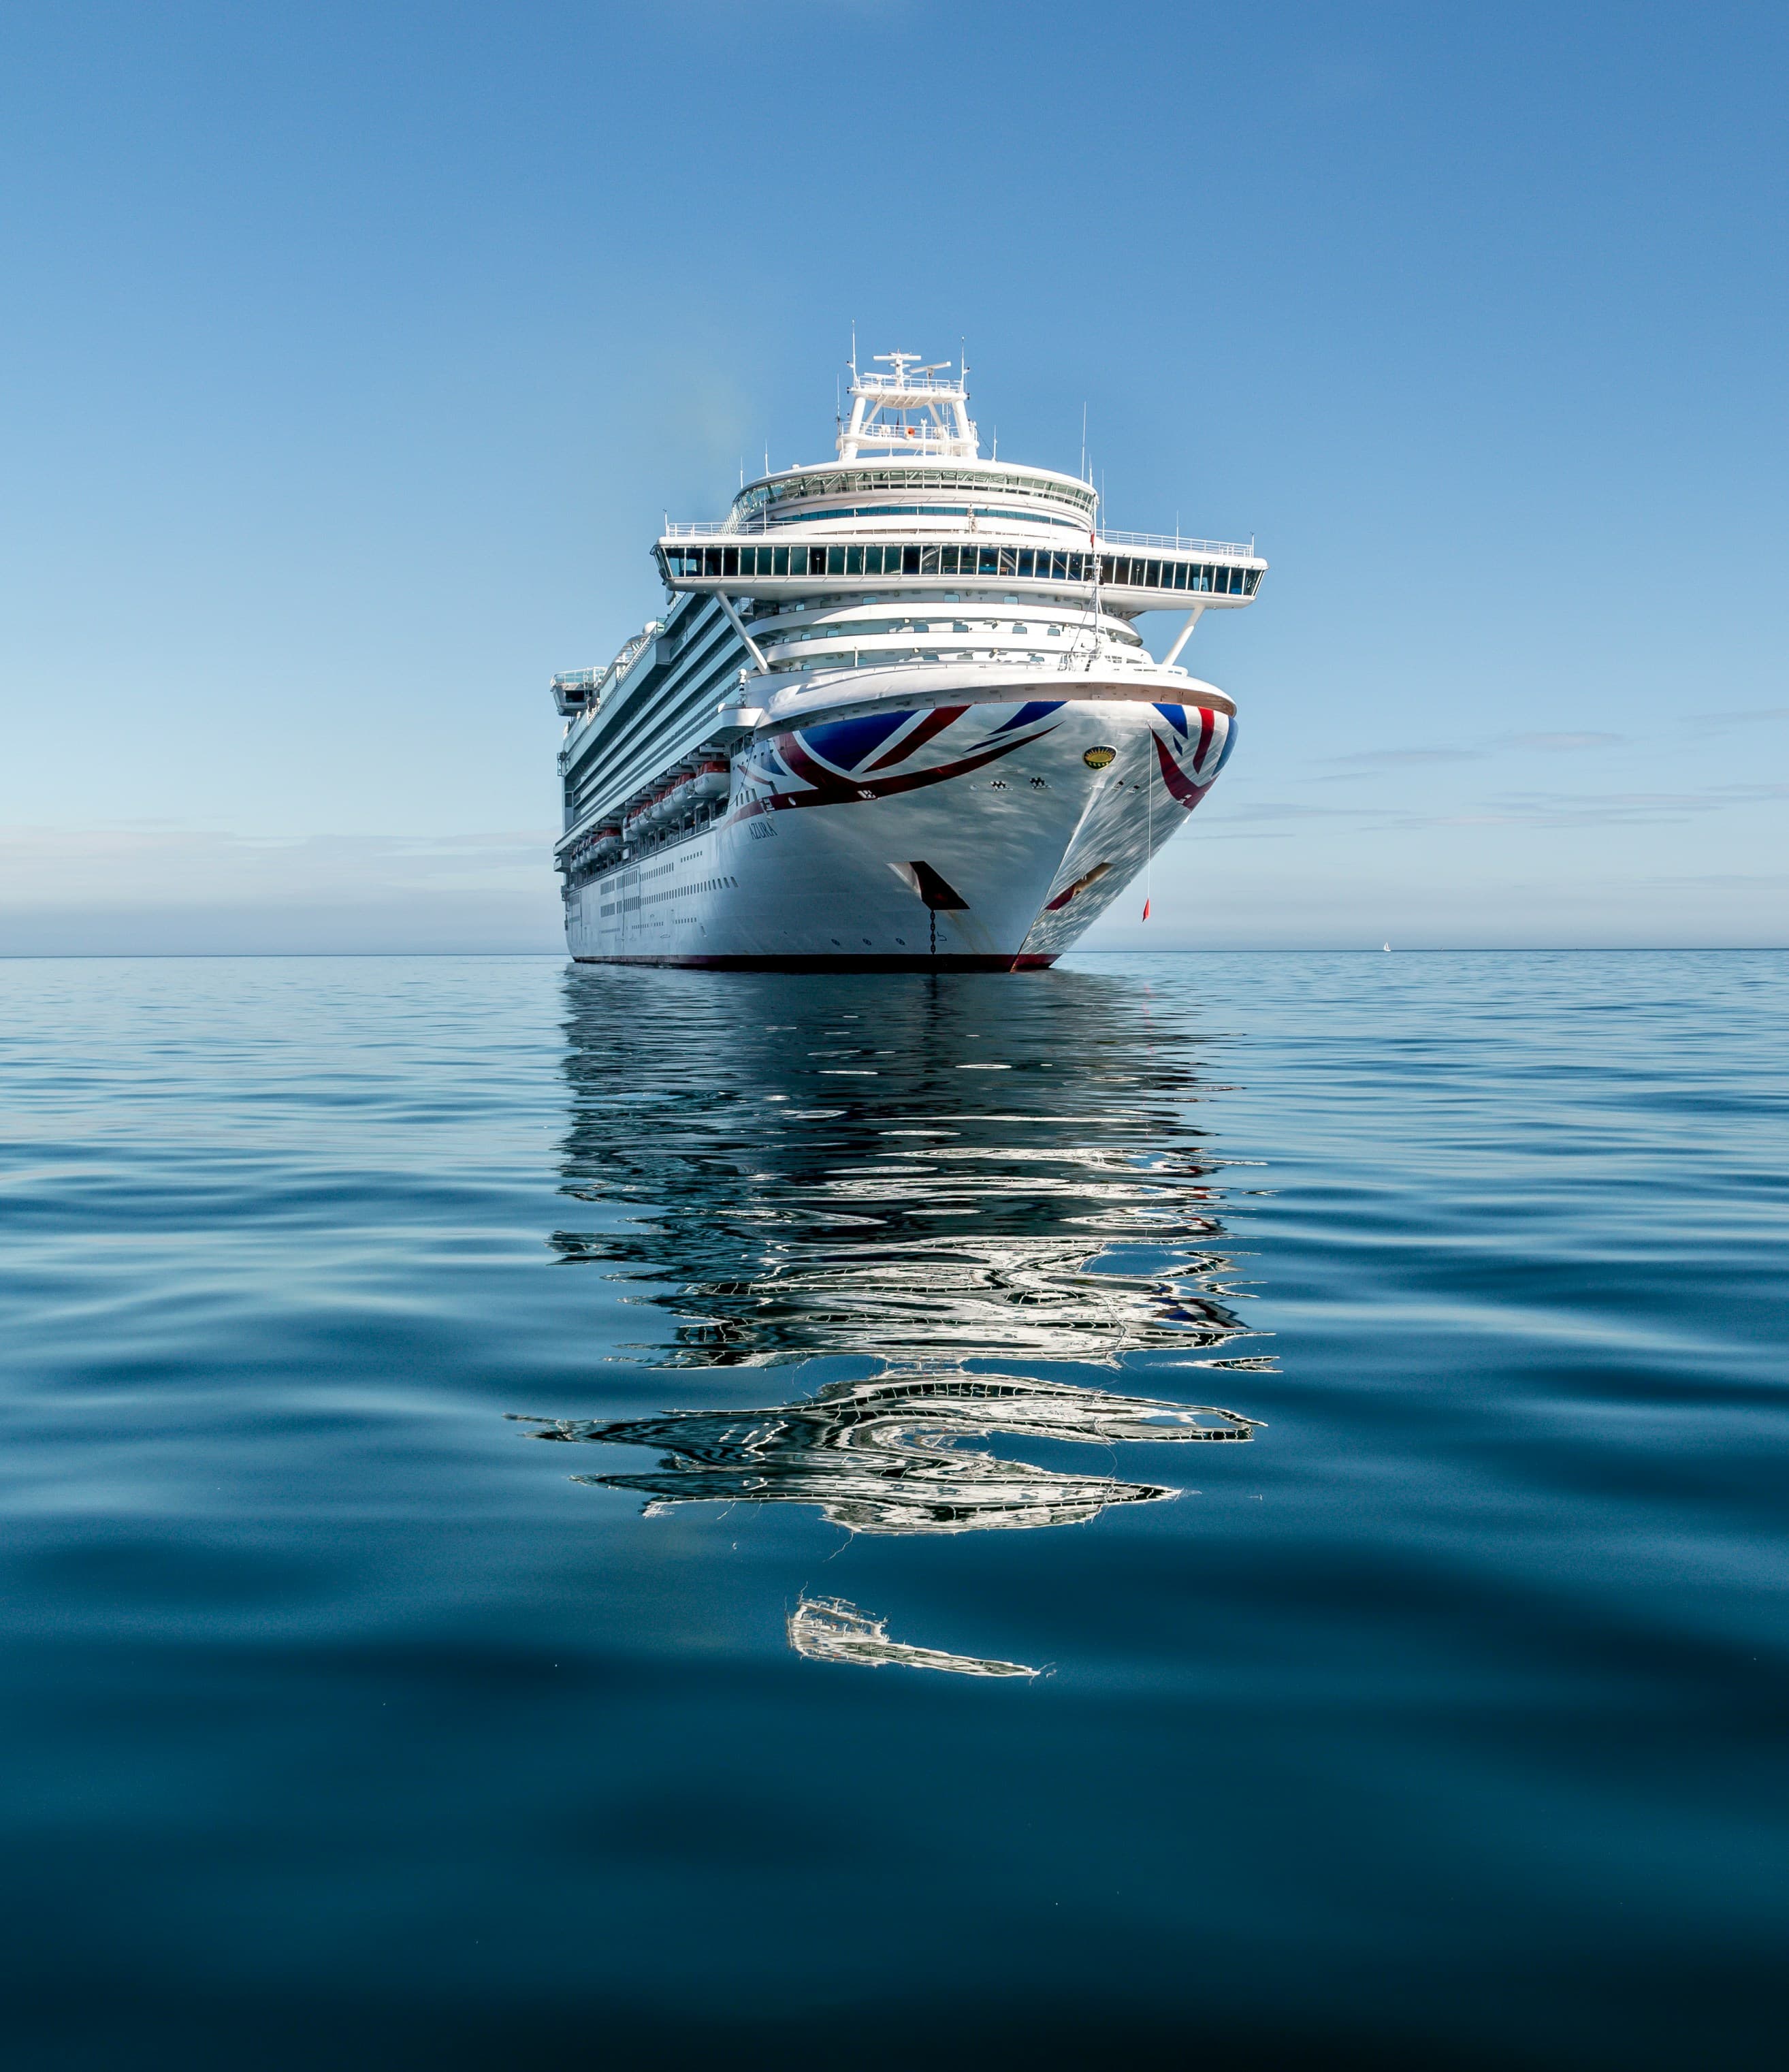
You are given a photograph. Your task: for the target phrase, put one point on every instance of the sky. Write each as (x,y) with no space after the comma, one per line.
(352,355)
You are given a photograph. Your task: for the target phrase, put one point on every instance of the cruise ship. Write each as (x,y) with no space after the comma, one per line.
(896,713)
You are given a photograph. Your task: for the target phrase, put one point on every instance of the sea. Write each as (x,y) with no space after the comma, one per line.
(1223,1507)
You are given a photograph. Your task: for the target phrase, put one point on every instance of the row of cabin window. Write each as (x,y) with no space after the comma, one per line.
(1037,563)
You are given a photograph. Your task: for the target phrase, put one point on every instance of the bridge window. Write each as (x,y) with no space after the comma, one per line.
(876,557)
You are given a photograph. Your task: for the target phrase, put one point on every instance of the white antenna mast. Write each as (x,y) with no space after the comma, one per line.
(911,410)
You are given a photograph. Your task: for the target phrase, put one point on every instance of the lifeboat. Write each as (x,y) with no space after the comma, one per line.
(713,780)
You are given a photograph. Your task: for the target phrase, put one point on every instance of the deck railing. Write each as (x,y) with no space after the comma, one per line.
(595,684)
(715,528)
(755,527)
(1181,542)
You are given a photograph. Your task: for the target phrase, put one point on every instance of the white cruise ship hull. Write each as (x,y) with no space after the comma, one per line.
(975,827)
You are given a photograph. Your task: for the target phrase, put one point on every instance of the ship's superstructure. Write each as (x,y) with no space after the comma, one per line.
(895,713)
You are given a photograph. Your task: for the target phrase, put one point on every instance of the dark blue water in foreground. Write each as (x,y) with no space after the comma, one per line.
(1430,1713)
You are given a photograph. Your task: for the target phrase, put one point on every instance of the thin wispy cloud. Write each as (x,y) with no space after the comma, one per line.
(1391,758)
(1600,809)
(1532,743)
(1291,809)
(1724,722)
(1551,744)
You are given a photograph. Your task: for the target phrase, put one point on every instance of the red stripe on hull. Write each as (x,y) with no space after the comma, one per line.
(934,724)
(1177,783)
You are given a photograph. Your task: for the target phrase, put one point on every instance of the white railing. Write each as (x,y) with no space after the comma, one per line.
(911,384)
(597,683)
(755,527)
(935,441)
(715,528)
(1181,542)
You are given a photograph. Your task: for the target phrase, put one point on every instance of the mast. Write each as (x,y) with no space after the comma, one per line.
(911,409)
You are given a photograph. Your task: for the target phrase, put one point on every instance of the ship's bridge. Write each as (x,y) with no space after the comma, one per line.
(1135,571)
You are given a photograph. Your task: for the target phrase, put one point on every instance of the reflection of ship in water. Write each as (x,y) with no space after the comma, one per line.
(901,1168)
(833,1630)
(916,1172)
(881,1456)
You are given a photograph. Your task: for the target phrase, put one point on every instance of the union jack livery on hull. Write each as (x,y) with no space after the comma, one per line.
(896,713)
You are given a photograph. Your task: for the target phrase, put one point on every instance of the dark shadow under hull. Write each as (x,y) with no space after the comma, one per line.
(841,963)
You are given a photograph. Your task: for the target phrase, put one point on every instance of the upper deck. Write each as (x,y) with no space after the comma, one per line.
(906,567)
(1184,572)
(909,504)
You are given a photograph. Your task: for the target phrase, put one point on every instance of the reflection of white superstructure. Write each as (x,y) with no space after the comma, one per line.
(883,1456)
(834,1629)
(806,1178)
(896,713)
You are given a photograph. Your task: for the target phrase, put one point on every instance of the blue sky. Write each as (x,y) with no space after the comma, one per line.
(352,354)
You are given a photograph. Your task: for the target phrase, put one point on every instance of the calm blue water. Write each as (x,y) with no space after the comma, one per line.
(1431,1714)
